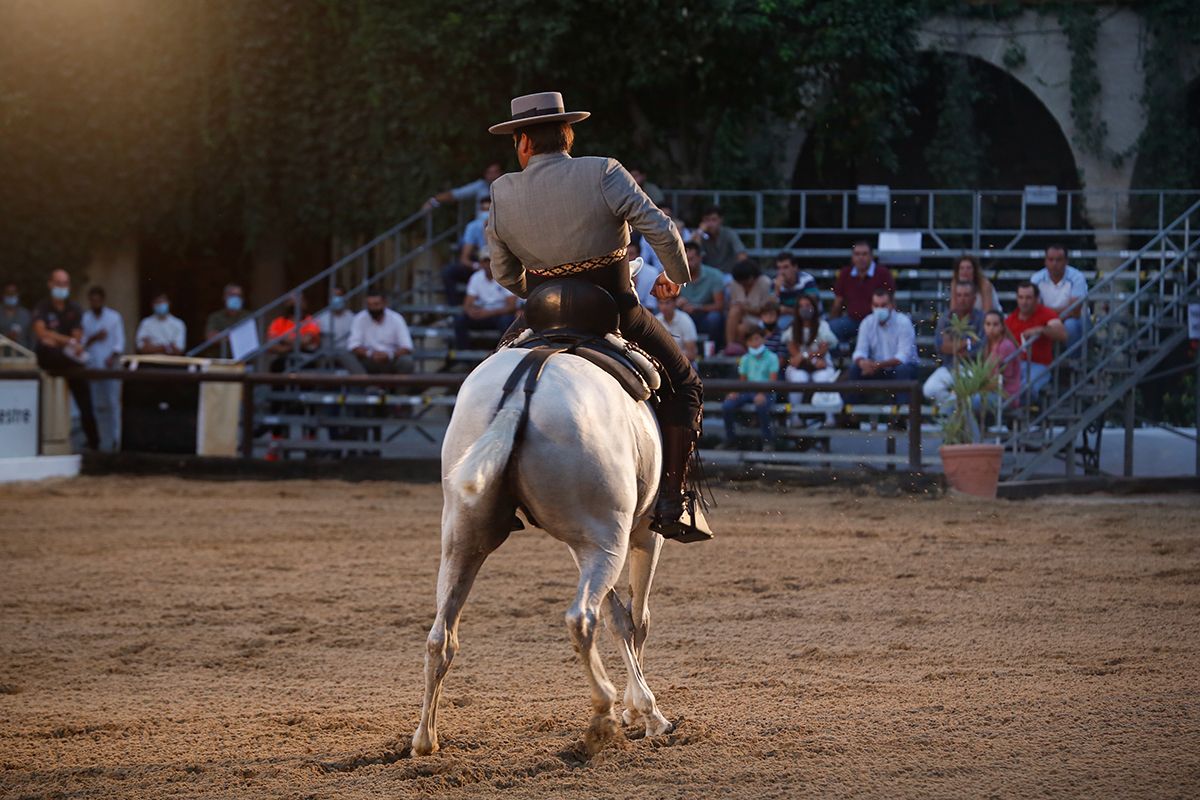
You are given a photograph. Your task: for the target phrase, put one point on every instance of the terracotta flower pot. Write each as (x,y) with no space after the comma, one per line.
(973,468)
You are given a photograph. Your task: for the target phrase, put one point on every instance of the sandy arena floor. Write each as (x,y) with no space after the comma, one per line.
(164,638)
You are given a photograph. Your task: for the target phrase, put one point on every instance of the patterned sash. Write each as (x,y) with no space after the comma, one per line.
(579,266)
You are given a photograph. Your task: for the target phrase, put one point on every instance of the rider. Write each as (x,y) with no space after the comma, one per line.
(565,216)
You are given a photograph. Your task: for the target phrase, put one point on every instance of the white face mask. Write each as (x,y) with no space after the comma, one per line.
(482,216)
(758,351)
(882,315)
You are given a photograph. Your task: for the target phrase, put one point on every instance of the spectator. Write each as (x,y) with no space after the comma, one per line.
(651,189)
(951,347)
(790,283)
(488,305)
(15,320)
(1000,345)
(456,274)
(161,333)
(380,338)
(283,328)
(967,269)
(1033,322)
(1060,286)
(854,291)
(886,348)
(685,232)
(58,336)
(721,246)
(474,191)
(772,330)
(748,293)
(681,326)
(808,342)
(335,321)
(231,312)
(704,298)
(104,340)
(759,364)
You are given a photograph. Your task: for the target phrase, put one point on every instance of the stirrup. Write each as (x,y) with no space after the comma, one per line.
(691,526)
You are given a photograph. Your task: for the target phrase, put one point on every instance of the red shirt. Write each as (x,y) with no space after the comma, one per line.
(857,290)
(1042,351)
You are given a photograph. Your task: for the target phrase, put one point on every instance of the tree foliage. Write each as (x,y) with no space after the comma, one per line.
(193,119)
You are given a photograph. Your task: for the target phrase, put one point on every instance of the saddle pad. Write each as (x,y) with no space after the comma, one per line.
(633,370)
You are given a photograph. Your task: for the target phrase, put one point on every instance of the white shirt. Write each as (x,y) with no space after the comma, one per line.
(643,284)
(111,323)
(681,327)
(896,339)
(488,294)
(337,325)
(1057,295)
(388,335)
(161,332)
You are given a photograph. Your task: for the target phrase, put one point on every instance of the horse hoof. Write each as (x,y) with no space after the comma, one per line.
(660,726)
(630,717)
(422,745)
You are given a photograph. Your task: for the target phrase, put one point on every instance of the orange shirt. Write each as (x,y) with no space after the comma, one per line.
(285,325)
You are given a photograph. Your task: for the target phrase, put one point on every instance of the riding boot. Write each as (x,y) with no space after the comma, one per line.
(677,514)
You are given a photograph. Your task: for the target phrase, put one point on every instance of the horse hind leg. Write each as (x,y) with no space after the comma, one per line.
(598,571)
(640,704)
(464,549)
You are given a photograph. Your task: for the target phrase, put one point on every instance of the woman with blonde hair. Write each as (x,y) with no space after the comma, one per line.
(967,268)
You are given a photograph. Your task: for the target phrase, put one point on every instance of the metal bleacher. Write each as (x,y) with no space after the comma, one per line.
(1112,237)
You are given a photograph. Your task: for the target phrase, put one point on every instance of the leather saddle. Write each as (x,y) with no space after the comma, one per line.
(577,317)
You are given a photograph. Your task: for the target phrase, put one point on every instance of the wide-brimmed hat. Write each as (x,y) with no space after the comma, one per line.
(531,109)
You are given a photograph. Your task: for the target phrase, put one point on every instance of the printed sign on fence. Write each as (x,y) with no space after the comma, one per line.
(18,418)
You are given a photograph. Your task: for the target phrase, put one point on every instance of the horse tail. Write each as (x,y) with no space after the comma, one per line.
(485,460)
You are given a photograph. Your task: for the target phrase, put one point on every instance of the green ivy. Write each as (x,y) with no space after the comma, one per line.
(1081,25)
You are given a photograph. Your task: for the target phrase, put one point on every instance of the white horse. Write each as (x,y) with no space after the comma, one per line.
(587,469)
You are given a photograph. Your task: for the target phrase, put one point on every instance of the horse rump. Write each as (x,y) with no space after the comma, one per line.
(484,462)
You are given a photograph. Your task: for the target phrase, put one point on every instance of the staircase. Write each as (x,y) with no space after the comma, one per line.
(1138,316)
(401,261)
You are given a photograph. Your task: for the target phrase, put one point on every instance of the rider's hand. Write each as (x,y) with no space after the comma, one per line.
(664,287)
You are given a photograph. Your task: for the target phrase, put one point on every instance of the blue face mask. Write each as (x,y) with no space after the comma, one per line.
(161,309)
(60,292)
(11,300)
(337,302)
(882,315)
(758,351)
(482,216)
(233,302)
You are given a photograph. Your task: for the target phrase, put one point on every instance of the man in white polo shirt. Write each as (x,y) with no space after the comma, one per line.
(161,333)
(380,338)
(488,305)
(1059,285)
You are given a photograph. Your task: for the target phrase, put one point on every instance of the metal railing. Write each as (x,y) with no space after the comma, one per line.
(384,261)
(1122,340)
(992,224)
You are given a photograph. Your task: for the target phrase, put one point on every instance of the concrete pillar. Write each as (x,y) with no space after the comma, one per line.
(115,267)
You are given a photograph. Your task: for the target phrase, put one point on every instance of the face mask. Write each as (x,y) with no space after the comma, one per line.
(769,326)
(337,303)
(233,302)
(758,351)
(881,314)
(161,309)
(60,292)
(10,300)
(805,313)
(376,313)
(482,216)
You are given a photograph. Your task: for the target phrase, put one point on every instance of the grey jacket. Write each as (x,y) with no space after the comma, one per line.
(562,210)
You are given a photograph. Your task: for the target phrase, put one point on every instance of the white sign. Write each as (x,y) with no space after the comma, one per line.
(18,418)
(1041,195)
(896,247)
(873,194)
(243,339)
(1194,320)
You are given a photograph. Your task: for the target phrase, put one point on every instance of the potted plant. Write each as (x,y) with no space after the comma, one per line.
(971,466)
